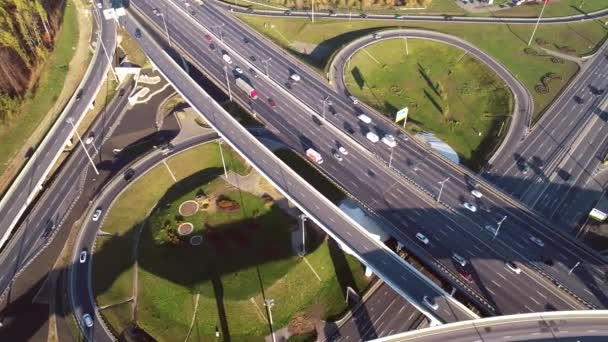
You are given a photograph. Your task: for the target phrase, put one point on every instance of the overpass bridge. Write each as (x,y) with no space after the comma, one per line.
(401,276)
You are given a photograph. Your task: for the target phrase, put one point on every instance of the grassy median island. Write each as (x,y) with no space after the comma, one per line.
(245,254)
(448,92)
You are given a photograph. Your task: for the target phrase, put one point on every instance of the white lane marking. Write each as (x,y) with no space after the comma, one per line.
(542,295)
(535,301)
(495,283)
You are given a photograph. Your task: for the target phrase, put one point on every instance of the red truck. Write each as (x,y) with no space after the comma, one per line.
(246,87)
(314,156)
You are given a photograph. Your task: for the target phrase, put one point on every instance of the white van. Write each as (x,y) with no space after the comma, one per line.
(365,118)
(389,140)
(227,58)
(295,77)
(371,136)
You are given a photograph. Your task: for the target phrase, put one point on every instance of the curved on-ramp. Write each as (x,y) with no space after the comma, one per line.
(522,105)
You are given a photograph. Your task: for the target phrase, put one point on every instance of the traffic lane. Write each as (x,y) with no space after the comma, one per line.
(307,195)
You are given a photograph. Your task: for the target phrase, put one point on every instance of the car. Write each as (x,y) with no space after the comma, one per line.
(537,241)
(579,100)
(99,5)
(377,36)
(476,193)
(389,140)
(208,38)
(83,256)
(97,214)
(295,77)
(272,103)
(121,92)
(363,15)
(89,138)
(467,276)
(398,16)
(137,33)
(246,40)
(354,99)
(422,238)
(227,58)
(525,168)
(238,70)
(365,118)
(490,228)
(166,149)
(88,321)
(129,175)
(250,10)
(430,303)
(253,58)
(338,156)
(287,12)
(472,183)
(342,150)
(469,206)
(371,136)
(79,94)
(511,266)
(332,13)
(459,259)
(212,47)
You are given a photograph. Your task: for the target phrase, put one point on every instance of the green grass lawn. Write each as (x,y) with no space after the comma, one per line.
(316,43)
(559,8)
(39,100)
(447,91)
(243,253)
(311,175)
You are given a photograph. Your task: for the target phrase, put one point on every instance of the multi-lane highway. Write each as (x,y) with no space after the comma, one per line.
(550,169)
(403,196)
(30,180)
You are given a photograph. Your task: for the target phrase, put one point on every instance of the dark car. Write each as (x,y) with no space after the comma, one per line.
(212,46)
(272,103)
(137,33)
(579,100)
(363,15)
(208,38)
(79,94)
(121,92)
(563,174)
(129,174)
(246,40)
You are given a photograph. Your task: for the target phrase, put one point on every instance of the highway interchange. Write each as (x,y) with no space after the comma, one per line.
(407,189)
(399,194)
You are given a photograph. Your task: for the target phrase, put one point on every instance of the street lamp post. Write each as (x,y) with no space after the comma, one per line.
(220,31)
(107,55)
(498,228)
(223,162)
(390,158)
(441,189)
(166,29)
(269,303)
(266,61)
(573,267)
(538,21)
(71,122)
(326,102)
(227,82)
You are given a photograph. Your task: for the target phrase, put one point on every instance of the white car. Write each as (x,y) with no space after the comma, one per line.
(365,118)
(354,99)
(469,206)
(430,303)
(88,321)
(476,193)
(338,157)
(89,139)
(389,140)
(459,259)
(97,214)
(510,265)
(537,241)
(371,136)
(422,238)
(227,58)
(342,150)
(377,36)
(99,5)
(83,257)
(238,70)
(295,77)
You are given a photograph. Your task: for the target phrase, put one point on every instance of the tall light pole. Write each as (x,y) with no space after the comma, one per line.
(303,224)
(537,22)
(227,82)
(166,29)
(573,267)
(313,11)
(223,162)
(441,189)
(107,55)
(498,227)
(71,122)
(266,61)
(390,158)
(326,101)
(220,31)
(269,303)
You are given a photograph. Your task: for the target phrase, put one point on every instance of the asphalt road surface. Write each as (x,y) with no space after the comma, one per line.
(405,195)
(20,194)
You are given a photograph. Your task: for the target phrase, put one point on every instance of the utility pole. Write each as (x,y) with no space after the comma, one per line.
(498,228)
(441,189)
(573,267)
(269,303)
(266,63)
(326,102)
(227,82)
(166,29)
(71,122)
(107,55)
(223,162)
(220,31)
(390,158)
(313,11)
(303,226)
(537,22)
